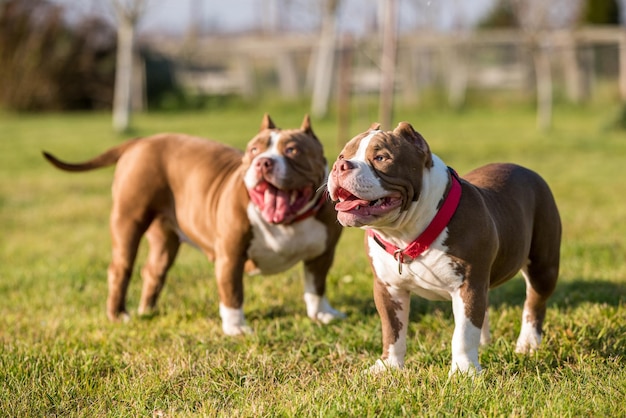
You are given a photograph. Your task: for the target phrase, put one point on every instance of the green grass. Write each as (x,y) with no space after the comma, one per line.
(59,356)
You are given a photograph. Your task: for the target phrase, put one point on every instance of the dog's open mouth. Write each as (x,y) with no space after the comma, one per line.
(279,206)
(349,203)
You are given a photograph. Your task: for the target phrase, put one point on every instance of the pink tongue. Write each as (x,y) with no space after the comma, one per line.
(275,205)
(347,205)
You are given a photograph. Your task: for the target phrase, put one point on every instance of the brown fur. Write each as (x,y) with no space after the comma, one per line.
(169,184)
(506,221)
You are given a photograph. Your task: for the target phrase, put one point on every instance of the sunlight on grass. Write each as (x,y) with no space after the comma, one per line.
(59,356)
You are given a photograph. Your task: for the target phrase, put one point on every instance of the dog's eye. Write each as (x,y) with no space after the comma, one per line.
(254,150)
(291,151)
(340,157)
(380,158)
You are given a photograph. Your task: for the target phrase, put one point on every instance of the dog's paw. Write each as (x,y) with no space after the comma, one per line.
(235,330)
(122,317)
(328,315)
(524,347)
(529,339)
(318,309)
(382,366)
(233,322)
(147,312)
(465,369)
(119,316)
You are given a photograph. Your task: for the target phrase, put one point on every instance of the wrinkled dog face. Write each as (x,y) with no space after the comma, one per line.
(378,175)
(283,170)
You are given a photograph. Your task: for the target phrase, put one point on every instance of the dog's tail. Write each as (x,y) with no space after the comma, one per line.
(109,157)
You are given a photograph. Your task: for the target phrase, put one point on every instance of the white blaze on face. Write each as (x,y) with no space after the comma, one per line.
(361,152)
(280,168)
(253,176)
(361,180)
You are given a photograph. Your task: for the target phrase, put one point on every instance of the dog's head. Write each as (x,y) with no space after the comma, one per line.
(283,170)
(378,174)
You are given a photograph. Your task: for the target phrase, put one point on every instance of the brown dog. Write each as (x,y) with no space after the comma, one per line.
(264,208)
(446,238)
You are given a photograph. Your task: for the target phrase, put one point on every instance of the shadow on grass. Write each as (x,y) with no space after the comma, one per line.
(568,294)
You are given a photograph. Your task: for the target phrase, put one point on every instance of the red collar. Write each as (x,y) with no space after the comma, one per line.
(321,198)
(432,231)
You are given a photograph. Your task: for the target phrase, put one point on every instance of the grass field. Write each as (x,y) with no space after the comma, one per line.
(59,356)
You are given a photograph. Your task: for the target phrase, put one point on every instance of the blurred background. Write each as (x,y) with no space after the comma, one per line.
(142,55)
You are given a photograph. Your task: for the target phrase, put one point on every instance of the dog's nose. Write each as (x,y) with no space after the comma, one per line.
(265,164)
(343,165)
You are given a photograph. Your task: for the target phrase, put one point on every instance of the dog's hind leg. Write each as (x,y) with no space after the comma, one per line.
(126,234)
(541,276)
(485,333)
(164,244)
(542,270)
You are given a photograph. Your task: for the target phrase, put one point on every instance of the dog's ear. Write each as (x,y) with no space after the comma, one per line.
(267,123)
(306,125)
(375,126)
(406,131)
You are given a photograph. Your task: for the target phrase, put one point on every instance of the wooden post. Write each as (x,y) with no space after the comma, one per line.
(287,75)
(543,76)
(455,54)
(575,70)
(245,73)
(409,70)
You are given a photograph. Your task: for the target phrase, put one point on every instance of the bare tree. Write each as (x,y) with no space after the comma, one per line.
(388,62)
(536,17)
(325,59)
(128,13)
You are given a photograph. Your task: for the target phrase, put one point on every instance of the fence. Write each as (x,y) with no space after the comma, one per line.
(485,59)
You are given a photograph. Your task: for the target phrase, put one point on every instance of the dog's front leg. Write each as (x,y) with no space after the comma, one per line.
(393,306)
(229,274)
(469,312)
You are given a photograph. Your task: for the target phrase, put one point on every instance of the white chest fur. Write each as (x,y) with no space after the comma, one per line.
(431,275)
(275,248)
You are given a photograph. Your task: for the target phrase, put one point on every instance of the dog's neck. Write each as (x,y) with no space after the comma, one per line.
(412,222)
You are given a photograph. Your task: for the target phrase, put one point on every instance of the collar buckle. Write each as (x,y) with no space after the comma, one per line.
(399,255)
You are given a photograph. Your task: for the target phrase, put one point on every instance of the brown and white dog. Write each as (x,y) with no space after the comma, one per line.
(264,209)
(446,238)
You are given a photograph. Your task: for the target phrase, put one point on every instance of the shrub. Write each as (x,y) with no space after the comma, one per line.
(46,64)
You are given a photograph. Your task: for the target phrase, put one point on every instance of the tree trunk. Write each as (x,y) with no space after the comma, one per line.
(325,60)
(388,64)
(344,91)
(123,75)
(622,65)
